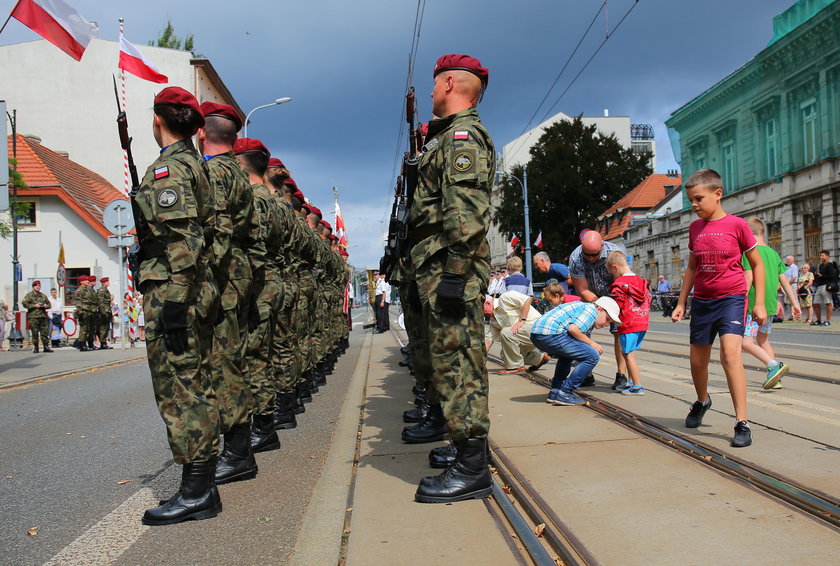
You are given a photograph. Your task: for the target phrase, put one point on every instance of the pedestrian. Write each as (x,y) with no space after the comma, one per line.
(55,313)
(178,289)
(825,285)
(757,337)
(5,316)
(513,316)
(804,291)
(140,316)
(717,241)
(633,298)
(36,304)
(448,224)
(515,281)
(563,332)
(383,298)
(792,274)
(558,271)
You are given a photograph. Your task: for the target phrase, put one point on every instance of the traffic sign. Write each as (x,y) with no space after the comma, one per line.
(61,275)
(118,217)
(120,241)
(69,326)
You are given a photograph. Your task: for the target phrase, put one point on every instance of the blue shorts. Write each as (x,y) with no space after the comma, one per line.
(631,341)
(716,317)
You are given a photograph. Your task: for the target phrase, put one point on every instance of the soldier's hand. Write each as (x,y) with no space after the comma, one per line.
(450,296)
(173,319)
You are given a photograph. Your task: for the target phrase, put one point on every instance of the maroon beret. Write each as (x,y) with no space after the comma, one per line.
(275,163)
(458,62)
(299,194)
(104,280)
(248,145)
(92,278)
(332,237)
(315,210)
(36,282)
(343,251)
(223,110)
(325,223)
(179,97)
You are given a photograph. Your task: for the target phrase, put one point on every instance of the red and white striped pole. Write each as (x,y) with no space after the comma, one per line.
(131,306)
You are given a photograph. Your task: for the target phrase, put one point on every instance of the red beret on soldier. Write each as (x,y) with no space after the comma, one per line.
(325,223)
(306,206)
(36,282)
(315,210)
(299,194)
(92,278)
(332,237)
(458,62)
(105,280)
(248,145)
(177,96)
(275,163)
(223,110)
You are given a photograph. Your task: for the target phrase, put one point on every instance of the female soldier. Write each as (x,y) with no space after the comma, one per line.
(179,296)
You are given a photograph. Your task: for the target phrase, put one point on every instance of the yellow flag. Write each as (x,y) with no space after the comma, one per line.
(61,254)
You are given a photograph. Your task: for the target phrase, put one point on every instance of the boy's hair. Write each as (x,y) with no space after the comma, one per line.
(514,264)
(554,289)
(756,225)
(707,177)
(617,258)
(825,252)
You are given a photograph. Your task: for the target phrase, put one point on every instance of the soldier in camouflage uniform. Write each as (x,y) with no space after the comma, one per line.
(180,299)
(448,224)
(80,301)
(103,303)
(237,221)
(91,304)
(36,304)
(266,292)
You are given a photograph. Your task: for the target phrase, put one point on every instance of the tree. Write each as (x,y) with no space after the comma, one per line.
(575,174)
(167,38)
(15,208)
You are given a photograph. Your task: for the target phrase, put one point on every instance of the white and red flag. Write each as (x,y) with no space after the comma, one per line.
(132,61)
(340,232)
(57,22)
(538,242)
(514,241)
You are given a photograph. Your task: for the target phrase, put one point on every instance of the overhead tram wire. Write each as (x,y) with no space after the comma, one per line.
(557,100)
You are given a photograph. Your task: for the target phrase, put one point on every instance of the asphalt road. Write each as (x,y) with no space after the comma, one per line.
(788,333)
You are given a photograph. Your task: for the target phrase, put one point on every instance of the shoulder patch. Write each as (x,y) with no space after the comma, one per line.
(461,135)
(167,198)
(161,172)
(463,162)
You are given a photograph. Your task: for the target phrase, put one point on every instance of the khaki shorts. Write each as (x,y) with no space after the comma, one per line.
(822,296)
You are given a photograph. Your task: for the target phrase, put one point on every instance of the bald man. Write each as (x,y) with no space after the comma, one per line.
(448,224)
(591,279)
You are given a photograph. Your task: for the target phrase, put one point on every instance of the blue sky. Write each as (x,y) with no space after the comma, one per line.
(345,66)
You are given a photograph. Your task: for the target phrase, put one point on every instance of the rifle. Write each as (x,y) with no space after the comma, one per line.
(135,255)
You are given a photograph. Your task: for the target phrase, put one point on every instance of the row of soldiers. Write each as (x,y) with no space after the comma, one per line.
(244,298)
(93,313)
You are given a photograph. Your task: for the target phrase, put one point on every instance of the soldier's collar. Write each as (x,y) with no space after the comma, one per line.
(440,124)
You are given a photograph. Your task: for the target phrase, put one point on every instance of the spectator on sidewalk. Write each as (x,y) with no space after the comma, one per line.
(558,271)
(5,316)
(791,273)
(825,285)
(516,281)
(513,317)
(55,312)
(383,298)
(631,294)
(663,286)
(803,289)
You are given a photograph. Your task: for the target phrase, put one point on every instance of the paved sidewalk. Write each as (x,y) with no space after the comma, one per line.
(19,367)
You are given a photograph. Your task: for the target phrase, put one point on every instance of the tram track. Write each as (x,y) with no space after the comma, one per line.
(813,503)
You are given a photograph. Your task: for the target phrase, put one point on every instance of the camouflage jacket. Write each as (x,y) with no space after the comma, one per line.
(292,236)
(236,216)
(309,247)
(271,234)
(83,299)
(174,243)
(30,300)
(103,301)
(451,208)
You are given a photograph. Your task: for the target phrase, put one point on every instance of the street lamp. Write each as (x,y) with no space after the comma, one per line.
(524,184)
(283,100)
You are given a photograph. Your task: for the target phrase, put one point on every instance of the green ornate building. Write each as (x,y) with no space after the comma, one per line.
(772,130)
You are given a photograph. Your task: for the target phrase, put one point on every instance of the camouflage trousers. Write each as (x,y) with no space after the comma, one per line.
(284,350)
(418,339)
(39,328)
(305,331)
(458,356)
(91,326)
(103,327)
(182,383)
(230,338)
(82,320)
(260,347)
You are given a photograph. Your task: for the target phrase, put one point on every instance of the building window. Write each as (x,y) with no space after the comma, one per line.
(728,152)
(28,219)
(676,264)
(700,161)
(774,236)
(809,131)
(652,267)
(72,284)
(771,140)
(813,237)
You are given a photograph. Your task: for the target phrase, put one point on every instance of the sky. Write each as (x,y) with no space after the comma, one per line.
(345,65)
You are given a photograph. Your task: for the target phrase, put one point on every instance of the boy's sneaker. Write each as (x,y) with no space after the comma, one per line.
(563,398)
(743,435)
(827,323)
(620,382)
(695,415)
(775,374)
(778,385)
(633,390)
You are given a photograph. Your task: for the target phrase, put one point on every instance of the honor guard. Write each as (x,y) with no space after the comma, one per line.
(36,304)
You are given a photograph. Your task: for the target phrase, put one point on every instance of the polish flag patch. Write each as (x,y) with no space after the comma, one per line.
(161,172)
(461,135)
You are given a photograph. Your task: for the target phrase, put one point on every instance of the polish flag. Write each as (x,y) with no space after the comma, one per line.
(340,231)
(514,241)
(132,61)
(538,243)
(57,22)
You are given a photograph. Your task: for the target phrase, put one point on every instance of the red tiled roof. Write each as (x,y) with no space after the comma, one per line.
(641,199)
(50,174)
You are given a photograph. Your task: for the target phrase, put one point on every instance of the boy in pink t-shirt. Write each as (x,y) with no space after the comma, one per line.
(717,241)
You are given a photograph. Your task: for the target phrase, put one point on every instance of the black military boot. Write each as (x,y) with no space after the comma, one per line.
(263,435)
(418,389)
(197,498)
(105,346)
(303,391)
(443,456)
(300,408)
(284,412)
(416,414)
(319,376)
(431,429)
(47,348)
(420,398)
(468,478)
(237,459)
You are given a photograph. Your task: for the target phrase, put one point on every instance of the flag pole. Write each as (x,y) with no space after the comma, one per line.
(7,19)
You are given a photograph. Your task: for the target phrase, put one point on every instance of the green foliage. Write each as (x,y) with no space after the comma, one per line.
(16,208)
(574,175)
(167,38)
